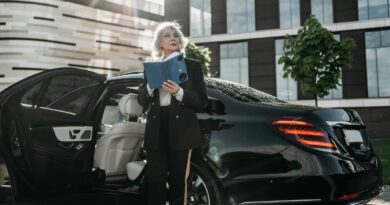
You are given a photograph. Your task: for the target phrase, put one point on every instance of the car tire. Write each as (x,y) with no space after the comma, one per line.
(202,185)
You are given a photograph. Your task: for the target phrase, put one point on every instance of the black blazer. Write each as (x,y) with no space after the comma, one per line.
(184,127)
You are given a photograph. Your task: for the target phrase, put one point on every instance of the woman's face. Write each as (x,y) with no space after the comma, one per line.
(169,41)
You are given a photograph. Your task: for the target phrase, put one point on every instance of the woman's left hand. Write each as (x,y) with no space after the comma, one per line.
(170,87)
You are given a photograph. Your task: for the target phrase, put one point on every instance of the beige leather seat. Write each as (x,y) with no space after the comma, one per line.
(122,143)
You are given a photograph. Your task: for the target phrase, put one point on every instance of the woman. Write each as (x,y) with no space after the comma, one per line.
(172,129)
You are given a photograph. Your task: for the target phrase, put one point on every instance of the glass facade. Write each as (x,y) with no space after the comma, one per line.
(289,13)
(286,88)
(378,63)
(322,10)
(240,16)
(338,92)
(200,17)
(234,62)
(373,9)
(152,6)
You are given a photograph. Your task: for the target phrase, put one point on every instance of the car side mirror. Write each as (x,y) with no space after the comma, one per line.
(214,106)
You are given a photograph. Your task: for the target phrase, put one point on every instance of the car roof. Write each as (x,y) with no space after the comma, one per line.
(214,83)
(124,76)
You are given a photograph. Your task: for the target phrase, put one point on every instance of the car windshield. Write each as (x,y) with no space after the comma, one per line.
(241,92)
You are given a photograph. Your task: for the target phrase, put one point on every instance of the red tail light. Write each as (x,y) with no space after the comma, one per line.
(349,196)
(305,133)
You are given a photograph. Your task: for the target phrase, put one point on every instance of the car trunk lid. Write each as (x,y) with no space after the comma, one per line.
(348,130)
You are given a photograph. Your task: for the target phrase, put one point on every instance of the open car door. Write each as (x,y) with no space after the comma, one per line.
(47,134)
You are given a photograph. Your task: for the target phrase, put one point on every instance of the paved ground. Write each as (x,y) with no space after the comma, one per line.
(384,199)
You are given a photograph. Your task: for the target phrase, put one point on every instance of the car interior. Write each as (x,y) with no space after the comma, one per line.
(117,158)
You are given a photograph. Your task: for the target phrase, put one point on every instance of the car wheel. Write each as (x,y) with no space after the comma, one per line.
(203,187)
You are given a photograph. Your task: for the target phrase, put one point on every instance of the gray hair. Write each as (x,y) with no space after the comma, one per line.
(156,50)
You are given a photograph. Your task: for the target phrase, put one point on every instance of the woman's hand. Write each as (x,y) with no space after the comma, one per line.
(171,87)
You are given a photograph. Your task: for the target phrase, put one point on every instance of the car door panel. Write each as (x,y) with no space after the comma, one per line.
(73,133)
(53,136)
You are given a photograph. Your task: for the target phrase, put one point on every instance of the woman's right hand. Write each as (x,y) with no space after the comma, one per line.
(170,87)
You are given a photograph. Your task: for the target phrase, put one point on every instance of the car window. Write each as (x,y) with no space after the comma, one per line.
(241,92)
(30,97)
(70,94)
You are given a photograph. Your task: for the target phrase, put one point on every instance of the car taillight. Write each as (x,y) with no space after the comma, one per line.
(305,133)
(349,196)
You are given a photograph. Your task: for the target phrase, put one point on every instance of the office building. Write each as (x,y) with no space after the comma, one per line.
(105,36)
(246,39)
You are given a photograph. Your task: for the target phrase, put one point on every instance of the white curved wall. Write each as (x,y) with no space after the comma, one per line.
(36,35)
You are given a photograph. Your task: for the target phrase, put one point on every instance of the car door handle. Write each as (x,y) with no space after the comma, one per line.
(71,135)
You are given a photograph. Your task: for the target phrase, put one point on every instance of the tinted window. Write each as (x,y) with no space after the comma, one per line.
(286,88)
(241,92)
(289,13)
(200,17)
(373,9)
(240,16)
(377,61)
(68,93)
(30,97)
(323,10)
(234,62)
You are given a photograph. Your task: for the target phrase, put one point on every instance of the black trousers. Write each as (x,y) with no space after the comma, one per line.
(165,166)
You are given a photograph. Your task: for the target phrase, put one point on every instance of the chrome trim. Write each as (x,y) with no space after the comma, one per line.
(55,110)
(5,186)
(280,201)
(363,202)
(331,123)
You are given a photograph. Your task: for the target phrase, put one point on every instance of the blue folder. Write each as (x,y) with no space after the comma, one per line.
(173,69)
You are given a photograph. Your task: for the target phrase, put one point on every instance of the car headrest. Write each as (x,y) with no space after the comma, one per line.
(129,106)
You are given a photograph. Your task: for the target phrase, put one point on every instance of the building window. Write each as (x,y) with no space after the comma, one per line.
(289,13)
(373,9)
(338,92)
(322,10)
(286,88)
(234,62)
(240,16)
(152,6)
(378,63)
(200,17)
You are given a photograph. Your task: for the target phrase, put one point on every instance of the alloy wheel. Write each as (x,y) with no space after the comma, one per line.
(198,194)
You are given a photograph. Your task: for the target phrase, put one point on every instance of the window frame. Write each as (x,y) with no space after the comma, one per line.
(203,20)
(240,57)
(248,28)
(291,12)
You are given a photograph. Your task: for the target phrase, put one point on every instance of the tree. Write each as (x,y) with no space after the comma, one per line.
(314,58)
(200,54)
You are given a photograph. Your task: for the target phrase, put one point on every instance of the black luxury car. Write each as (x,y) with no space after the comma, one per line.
(70,131)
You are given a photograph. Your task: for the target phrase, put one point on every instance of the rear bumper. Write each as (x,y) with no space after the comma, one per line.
(303,190)
(341,188)
(358,201)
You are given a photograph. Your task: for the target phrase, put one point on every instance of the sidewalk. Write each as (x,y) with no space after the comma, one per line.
(384,199)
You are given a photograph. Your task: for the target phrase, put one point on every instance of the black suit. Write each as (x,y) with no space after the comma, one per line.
(184,129)
(171,131)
